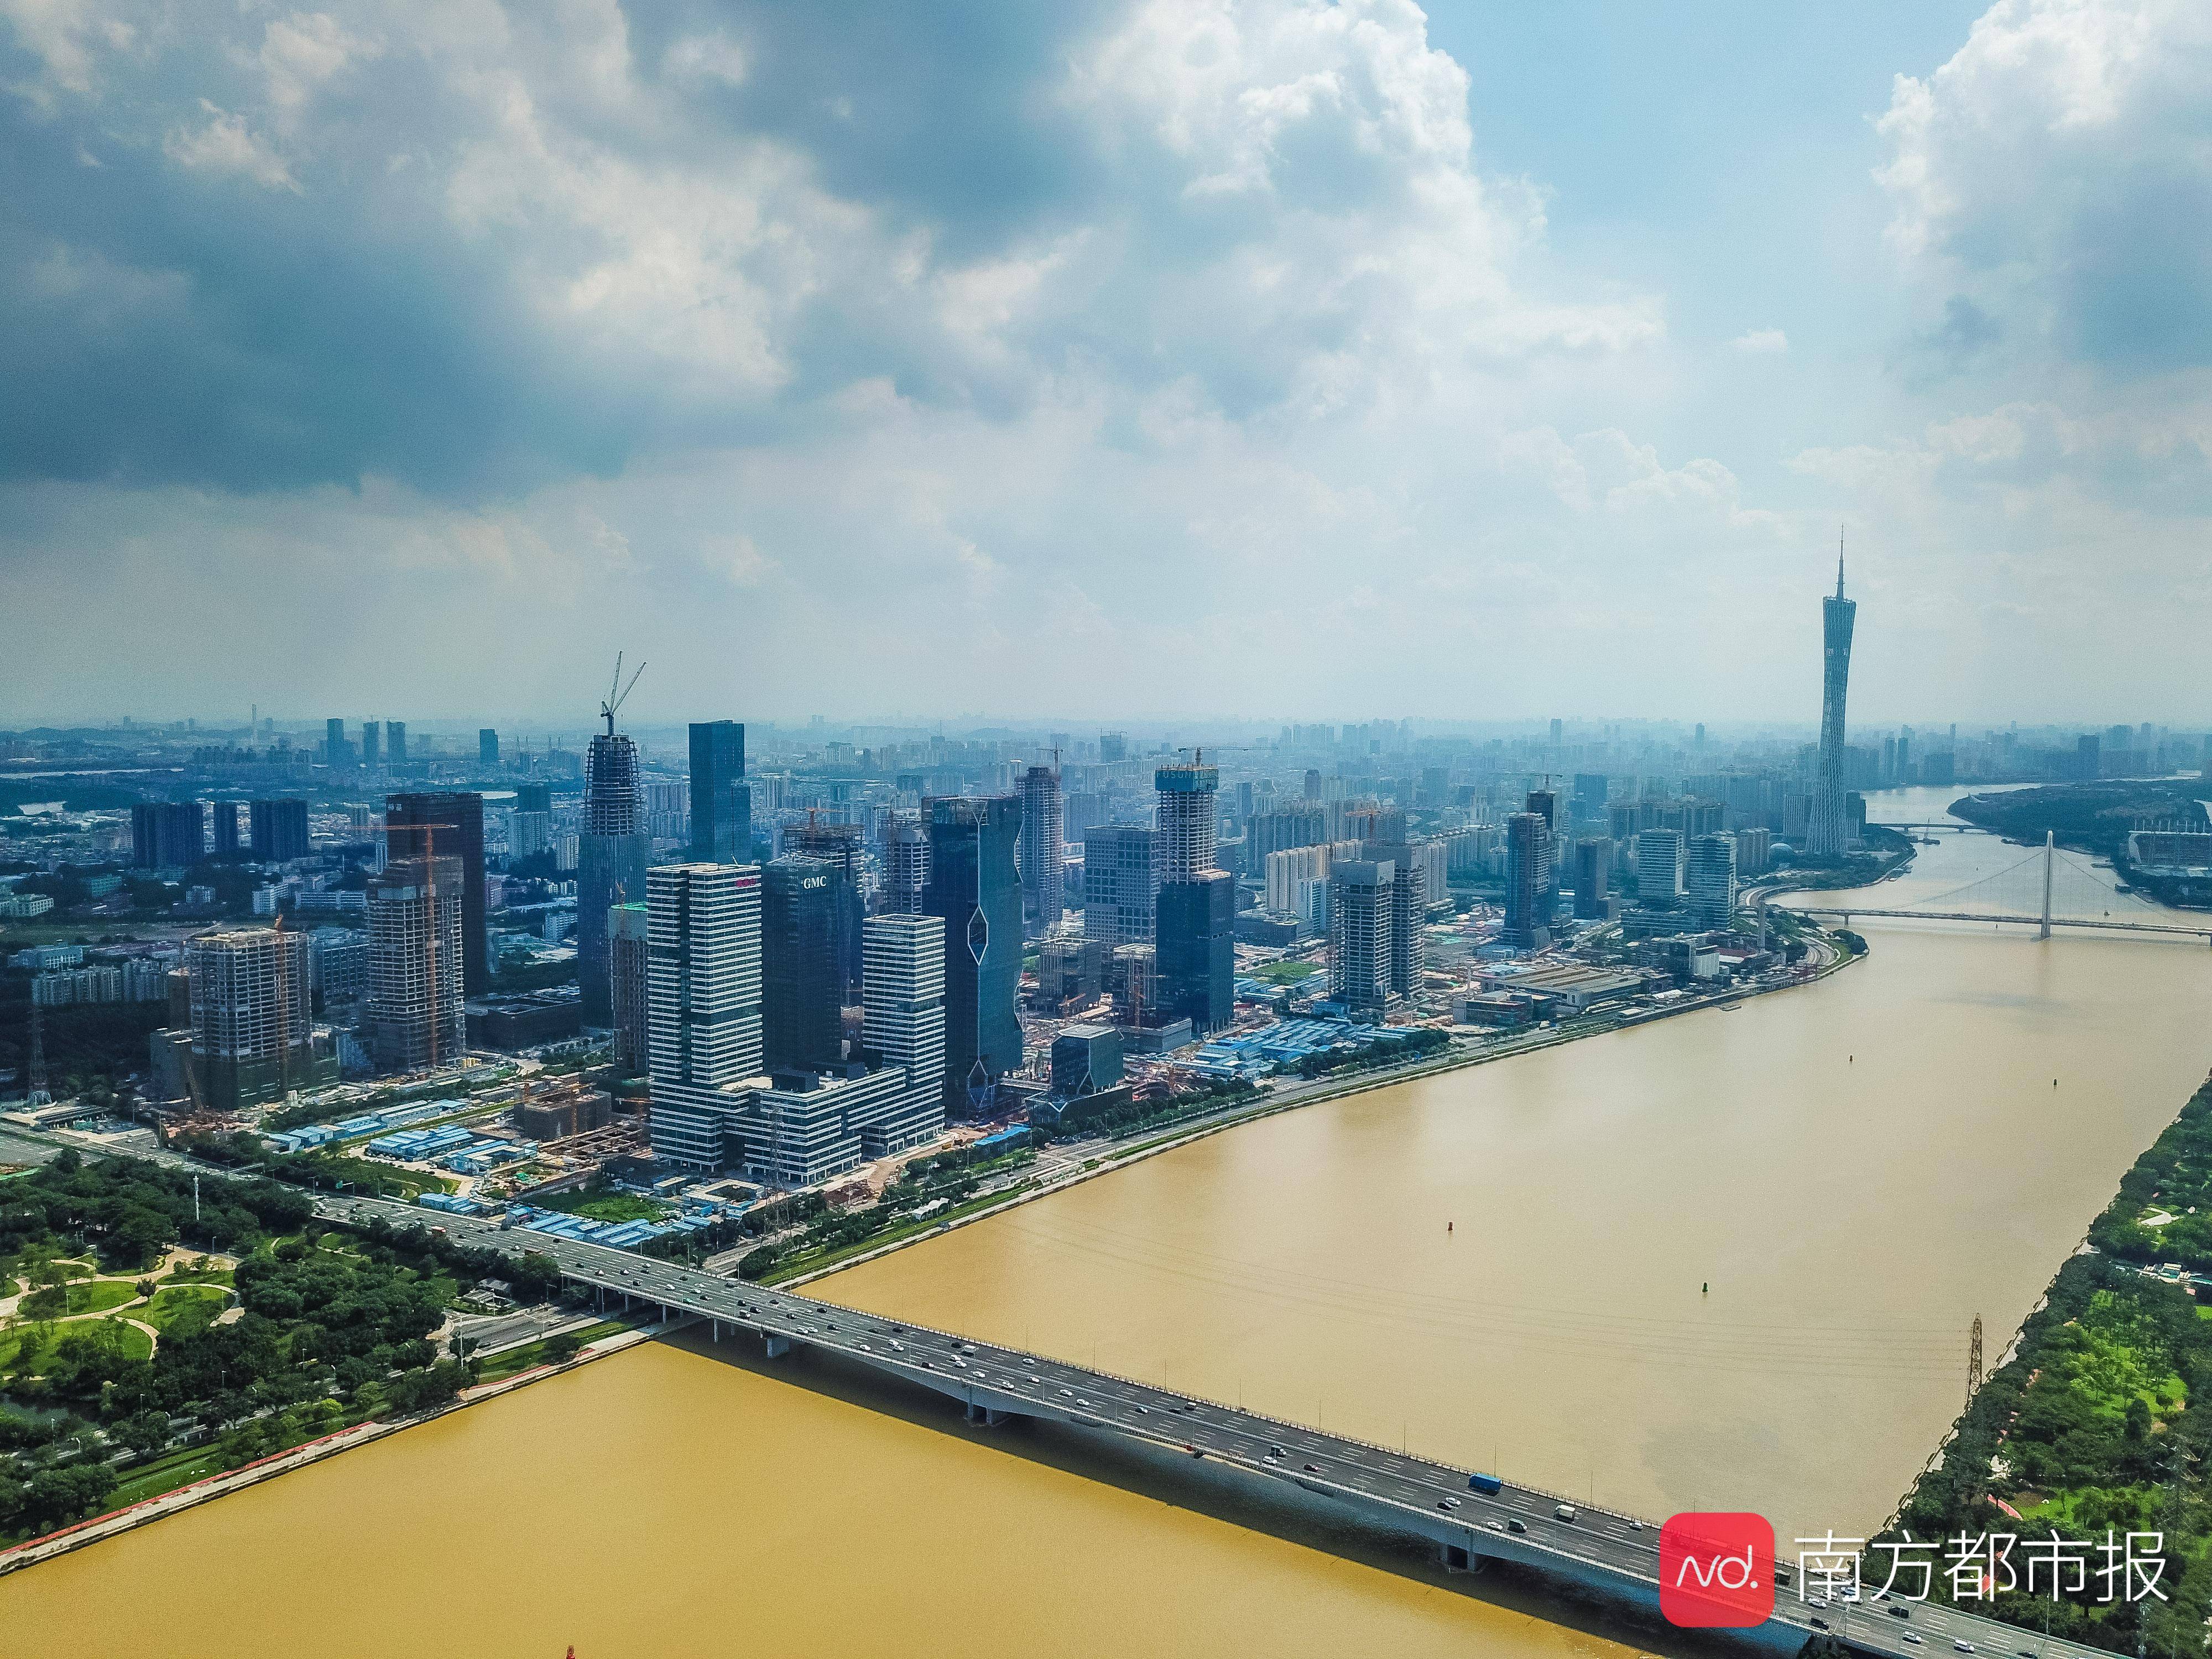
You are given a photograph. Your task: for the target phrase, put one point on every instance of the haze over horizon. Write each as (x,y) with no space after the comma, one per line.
(1308,362)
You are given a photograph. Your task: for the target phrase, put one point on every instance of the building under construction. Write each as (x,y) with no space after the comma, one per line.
(253,1034)
(415,1019)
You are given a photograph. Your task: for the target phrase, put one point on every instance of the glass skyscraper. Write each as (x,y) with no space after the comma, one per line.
(721,803)
(974,888)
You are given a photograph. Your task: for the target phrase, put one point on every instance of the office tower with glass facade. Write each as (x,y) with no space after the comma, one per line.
(1658,869)
(839,846)
(1710,882)
(703,985)
(1593,878)
(277,831)
(1121,884)
(167,834)
(802,1004)
(721,803)
(903,1019)
(974,890)
(1529,915)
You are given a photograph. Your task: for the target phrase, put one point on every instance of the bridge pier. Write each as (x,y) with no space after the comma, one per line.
(1458,1557)
(778,1346)
(989,1416)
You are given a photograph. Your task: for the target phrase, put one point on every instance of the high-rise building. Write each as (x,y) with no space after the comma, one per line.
(277,831)
(1293,876)
(721,803)
(415,964)
(395,732)
(448,824)
(903,1019)
(1121,884)
(1361,895)
(974,890)
(611,858)
(252,1035)
(1826,834)
(1113,748)
(1194,920)
(839,846)
(336,751)
(1043,856)
(703,975)
(1592,876)
(1529,915)
(1658,869)
(228,843)
(1194,939)
(167,834)
(906,866)
(628,992)
(802,1021)
(1711,879)
(371,743)
(487,746)
(1189,820)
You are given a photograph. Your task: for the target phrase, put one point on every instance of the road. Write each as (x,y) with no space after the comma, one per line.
(1394,1489)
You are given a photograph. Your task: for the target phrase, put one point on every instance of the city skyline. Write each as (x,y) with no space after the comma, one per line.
(685,355)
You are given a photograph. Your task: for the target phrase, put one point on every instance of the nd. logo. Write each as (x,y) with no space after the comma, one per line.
(1716,1569)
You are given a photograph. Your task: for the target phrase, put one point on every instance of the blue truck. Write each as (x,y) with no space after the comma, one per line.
(1488,1485)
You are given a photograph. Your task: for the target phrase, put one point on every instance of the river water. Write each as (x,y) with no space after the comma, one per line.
(1726,1261)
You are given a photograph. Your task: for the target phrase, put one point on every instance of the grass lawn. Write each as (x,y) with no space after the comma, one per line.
(96,1296)
(9,1287)
(136,1345)
(172,1299)
(164,1473)
(1284,972)
(530,1354)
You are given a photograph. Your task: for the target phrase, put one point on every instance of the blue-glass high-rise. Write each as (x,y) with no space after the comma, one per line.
(974,887)
(721,803)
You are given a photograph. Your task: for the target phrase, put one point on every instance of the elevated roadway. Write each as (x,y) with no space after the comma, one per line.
(1601,1550)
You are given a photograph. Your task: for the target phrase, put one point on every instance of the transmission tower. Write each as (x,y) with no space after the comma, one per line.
(39,1096)
(1974,1362)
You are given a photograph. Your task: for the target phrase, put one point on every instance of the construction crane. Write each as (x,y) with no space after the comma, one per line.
(617,694)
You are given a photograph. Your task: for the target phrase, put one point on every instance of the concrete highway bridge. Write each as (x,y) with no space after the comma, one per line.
(1614,1555)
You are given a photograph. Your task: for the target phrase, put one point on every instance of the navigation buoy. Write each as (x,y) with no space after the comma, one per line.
(1707,1289)
(1448,1226)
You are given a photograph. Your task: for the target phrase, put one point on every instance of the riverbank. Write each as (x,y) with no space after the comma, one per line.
(2096,1416)
(149,1510)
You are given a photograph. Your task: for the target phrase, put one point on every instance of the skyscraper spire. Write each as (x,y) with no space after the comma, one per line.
(1839,561)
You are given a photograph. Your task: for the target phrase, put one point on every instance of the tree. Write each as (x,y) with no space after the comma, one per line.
(562,1346)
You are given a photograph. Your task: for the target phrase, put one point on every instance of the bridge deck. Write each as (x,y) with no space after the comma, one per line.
(2003,916)
(1397,1490)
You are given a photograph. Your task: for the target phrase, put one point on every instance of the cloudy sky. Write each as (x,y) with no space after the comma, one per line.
(1270,358)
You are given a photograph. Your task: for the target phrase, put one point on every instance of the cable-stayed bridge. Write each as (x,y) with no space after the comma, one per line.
(2047,889)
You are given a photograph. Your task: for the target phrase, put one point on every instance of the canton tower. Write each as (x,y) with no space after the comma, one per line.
(1829,832)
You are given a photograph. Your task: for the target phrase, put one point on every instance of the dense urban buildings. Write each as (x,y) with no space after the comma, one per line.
(974,890)
(415,955)
(721,804)
(438,824)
